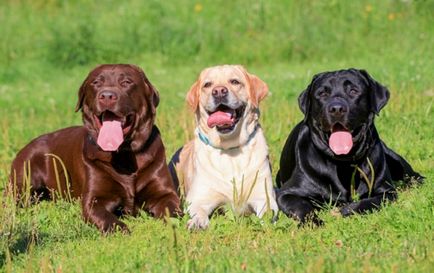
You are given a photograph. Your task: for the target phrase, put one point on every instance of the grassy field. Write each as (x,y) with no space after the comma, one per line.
(48,47)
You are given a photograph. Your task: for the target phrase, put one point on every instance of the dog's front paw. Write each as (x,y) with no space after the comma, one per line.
(197,223)
(115,227)
(348,210)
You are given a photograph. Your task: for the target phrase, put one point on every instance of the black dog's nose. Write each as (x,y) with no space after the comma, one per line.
(220,92)
(337,109)
(107,97)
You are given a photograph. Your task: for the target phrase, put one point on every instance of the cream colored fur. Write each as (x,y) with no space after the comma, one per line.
(208,171)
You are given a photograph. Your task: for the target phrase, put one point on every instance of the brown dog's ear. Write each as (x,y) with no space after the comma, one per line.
(193,96)
(379,95)
(81,95)
(154,97)
(82,90)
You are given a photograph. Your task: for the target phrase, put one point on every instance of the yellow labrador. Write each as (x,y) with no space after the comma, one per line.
(227,161)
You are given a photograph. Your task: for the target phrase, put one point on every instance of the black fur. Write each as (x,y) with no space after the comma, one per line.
(311,174)
(173,161)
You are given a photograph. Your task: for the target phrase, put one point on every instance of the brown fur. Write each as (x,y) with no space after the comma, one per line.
(132,178)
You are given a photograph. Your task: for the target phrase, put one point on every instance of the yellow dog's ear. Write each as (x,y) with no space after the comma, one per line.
(193,95)
(257,88)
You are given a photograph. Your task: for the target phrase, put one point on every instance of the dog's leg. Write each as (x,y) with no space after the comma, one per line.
(201,205)
(199,212)
(298,208)
(98,212)
(263,198)
(261,206)
(166,202)
(368,204)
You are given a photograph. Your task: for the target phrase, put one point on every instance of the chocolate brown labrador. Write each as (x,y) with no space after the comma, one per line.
(115,163)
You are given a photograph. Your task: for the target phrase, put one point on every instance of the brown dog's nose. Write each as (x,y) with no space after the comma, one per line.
(220,92)
(107,97)
(337,109)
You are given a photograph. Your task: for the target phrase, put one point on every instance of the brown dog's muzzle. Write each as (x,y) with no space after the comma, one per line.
(107,99)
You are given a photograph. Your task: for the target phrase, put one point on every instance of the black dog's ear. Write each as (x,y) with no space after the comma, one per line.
(304,98)
(303,101)
(379,94)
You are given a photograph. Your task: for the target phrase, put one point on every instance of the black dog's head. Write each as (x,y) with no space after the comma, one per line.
(339,107)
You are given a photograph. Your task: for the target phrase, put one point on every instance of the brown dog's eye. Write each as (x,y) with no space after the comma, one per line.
(95,82)
(207,84)
(234,82)
(126,83)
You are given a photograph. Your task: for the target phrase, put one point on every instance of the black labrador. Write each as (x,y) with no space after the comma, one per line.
(335,154)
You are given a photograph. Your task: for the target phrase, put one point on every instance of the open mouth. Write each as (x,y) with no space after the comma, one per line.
(337,127)
(340,139)
(225,118)
(107,116)
(112,129)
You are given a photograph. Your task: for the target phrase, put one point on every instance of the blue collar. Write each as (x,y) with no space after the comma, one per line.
(206,141)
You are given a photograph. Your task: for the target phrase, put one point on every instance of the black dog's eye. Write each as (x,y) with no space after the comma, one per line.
(234,82)
(207,84)
(354,92)
(323,93)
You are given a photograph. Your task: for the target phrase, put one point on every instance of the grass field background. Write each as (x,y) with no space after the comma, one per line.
(48,47)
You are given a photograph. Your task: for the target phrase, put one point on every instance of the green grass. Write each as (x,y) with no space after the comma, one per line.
(48,47)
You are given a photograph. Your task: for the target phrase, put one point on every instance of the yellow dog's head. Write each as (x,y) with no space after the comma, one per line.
(226,99)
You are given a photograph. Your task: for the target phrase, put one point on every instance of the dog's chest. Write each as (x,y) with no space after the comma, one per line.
(234,164)
(128,175)
(347,181)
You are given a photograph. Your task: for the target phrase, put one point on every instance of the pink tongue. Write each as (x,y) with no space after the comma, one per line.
(110,135)
(341,142)
(220,118)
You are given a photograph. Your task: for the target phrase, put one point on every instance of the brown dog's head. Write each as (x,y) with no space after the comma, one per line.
(226,99)
(119,94)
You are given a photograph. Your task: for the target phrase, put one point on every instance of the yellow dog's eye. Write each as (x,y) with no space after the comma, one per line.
(207,84)
(234,82)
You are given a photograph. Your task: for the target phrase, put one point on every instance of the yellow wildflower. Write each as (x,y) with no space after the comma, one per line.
(391,16)
(198,7)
